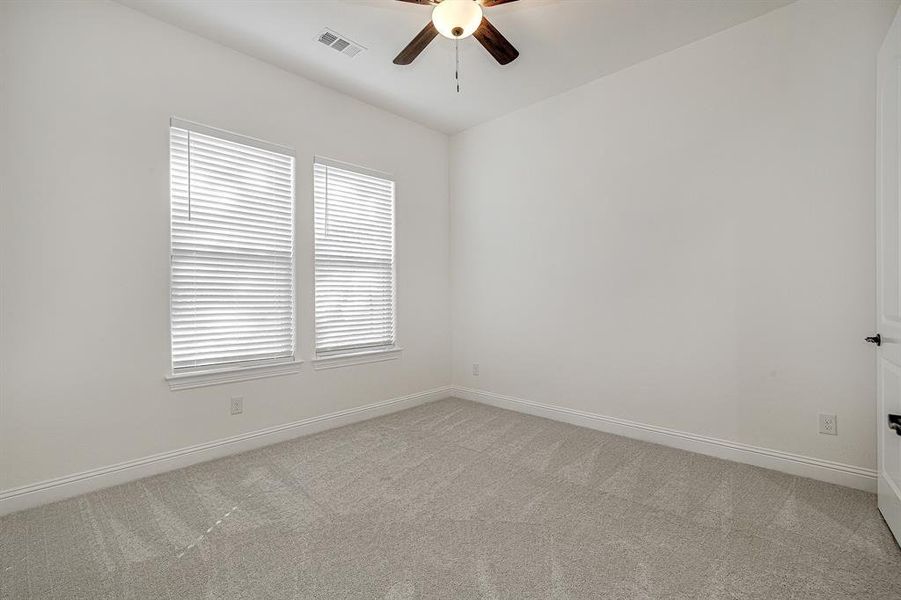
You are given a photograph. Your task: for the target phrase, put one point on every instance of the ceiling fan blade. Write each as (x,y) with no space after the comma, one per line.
(422,39)
(485,3)
(496,44)
(431,1)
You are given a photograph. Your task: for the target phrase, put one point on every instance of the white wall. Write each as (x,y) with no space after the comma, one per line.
(688,243)
(88,89)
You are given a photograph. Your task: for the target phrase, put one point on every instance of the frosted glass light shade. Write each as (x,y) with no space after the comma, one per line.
(457,19)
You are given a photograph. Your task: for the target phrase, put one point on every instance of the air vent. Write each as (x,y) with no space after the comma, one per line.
(338,42)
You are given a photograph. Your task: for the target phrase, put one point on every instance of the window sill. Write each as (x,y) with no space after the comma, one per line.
(196,379)
(356,358)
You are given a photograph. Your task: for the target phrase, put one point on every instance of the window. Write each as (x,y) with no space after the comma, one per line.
(232,250)
(354,260)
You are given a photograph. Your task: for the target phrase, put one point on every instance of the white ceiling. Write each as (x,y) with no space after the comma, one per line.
(562,44)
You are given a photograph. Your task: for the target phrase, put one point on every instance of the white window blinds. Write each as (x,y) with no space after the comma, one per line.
(232,249)
(354,259)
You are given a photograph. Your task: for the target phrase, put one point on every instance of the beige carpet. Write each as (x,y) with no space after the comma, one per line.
(457,500)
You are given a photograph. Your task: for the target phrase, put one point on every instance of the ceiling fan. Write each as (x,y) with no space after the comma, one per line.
(457,19)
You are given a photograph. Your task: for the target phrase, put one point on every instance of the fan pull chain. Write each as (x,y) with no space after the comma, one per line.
(457,66)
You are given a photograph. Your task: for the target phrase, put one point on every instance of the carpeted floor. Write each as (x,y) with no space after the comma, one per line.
(457,500)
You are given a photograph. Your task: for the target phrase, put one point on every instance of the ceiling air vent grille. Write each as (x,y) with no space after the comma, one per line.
(338,42)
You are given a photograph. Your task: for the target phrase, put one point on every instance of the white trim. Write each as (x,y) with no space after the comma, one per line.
(51,490)
(346,166)
(356,358)
(888,495)
(795,464)
(231,136)
(195,379)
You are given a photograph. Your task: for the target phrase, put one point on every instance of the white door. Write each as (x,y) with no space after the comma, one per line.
(888,277)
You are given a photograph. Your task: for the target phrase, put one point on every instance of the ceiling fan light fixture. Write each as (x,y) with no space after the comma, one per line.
(456,19)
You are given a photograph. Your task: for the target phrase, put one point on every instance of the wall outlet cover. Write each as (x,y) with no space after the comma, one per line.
(475,369)
(828,424)
(237,405)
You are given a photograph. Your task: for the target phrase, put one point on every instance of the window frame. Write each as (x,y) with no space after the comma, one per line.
(329,359)
(192,377)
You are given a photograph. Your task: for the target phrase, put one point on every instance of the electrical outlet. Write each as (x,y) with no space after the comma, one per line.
(475,369)
(828,424)
(237,405)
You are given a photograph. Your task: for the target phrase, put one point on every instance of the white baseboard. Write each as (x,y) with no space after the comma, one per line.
(796,464)
(32,495)
(52,490)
